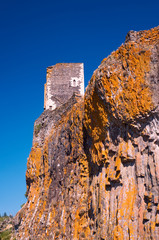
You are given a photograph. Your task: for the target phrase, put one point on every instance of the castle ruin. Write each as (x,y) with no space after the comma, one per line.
(62,80)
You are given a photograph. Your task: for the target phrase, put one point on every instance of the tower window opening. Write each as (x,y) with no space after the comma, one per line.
(74,82)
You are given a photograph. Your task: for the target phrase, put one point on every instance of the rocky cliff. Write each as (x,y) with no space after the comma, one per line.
(93,171)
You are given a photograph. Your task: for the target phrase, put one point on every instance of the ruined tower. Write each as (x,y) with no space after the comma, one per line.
(62,80)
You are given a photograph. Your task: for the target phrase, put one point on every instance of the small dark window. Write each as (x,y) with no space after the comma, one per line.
(74,82)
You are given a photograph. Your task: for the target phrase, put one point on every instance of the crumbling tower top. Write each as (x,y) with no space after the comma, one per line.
(62,80)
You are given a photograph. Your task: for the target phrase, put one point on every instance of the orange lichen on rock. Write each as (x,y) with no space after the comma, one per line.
(122,83)
(93,169)
(94,107)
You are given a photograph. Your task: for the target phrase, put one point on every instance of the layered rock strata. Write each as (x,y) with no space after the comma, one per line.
(93,171)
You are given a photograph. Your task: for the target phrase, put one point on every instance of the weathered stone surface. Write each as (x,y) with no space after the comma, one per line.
(63,79)
(93,172)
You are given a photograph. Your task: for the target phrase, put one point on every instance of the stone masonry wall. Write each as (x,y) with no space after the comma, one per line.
(63,79)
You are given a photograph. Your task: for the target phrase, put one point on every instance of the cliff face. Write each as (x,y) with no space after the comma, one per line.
(93,171)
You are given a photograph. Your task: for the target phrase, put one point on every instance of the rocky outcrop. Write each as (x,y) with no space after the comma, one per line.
(93,171)
(6,225)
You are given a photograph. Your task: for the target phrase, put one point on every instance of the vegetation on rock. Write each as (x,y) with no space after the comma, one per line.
(5,227)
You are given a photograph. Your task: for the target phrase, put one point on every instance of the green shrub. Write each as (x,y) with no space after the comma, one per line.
(26,194)
(22,205)
(6,235)
(37,129)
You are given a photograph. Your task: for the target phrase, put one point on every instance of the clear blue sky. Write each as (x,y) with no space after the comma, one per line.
(35,35)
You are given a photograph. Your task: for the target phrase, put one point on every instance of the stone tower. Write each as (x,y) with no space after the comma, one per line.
(62,80)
